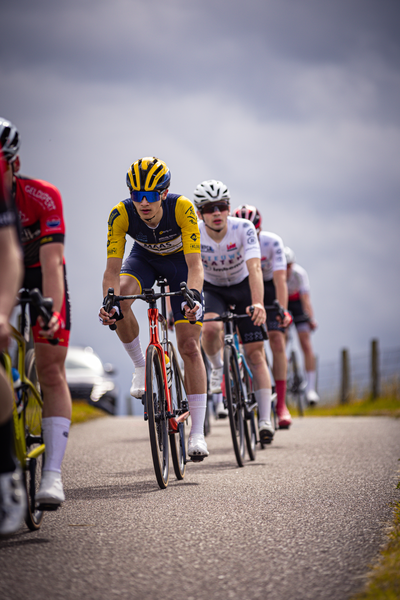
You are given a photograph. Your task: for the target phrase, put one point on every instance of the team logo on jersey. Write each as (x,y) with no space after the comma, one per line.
(53,222)
(231,247)
(141,237)
(251,240)
(193,237)
(205,248)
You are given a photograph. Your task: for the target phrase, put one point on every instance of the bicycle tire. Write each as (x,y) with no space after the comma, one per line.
(250,430)
(33,439)
(207,420)
(179,403)
(234,402)
(297,383)
(157,418)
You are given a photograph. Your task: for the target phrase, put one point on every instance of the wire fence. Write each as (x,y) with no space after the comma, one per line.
(360,375)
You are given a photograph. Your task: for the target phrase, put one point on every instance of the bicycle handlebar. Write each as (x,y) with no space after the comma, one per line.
(44,306)
(149,296)
(231,316)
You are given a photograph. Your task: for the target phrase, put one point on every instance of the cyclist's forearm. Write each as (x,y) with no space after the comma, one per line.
(111,276)
(279,278)
(11,271)
(195,271)
(51,259)
(256,282)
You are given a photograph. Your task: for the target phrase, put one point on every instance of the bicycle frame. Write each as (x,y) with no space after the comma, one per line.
(155,318)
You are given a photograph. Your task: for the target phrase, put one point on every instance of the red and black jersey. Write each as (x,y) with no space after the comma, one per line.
(40,210)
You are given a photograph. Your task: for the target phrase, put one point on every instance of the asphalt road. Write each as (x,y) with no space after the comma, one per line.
(303,521)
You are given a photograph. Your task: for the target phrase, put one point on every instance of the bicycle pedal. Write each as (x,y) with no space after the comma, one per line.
(47,507)
(196,459)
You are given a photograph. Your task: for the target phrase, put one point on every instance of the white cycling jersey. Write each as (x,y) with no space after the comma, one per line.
(225,262)
(272,254)
(298,282)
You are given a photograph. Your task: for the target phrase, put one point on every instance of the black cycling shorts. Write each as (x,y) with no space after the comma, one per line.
(269,296)
(146,267)
(219,299)
(296,308)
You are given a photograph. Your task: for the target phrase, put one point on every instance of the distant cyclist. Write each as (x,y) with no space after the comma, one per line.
(12,490)
(233,276)
(273,264)
(167,243)
(40,208)
(300,306)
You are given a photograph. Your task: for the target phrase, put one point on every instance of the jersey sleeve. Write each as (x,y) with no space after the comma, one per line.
(303,280)
(279,258)
(251,247)
(49,206)
(118,224)
(187,220)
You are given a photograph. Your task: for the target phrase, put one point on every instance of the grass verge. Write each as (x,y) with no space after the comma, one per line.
(81,412)
(388,406)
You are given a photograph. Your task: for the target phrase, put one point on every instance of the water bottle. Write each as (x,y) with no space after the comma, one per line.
(17,389)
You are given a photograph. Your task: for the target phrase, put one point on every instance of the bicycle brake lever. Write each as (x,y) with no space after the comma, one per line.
(262,326)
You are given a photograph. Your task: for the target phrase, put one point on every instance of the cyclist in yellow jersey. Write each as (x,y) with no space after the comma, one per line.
(167,243)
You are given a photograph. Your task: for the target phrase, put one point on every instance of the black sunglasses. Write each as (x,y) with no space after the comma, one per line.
(215,206)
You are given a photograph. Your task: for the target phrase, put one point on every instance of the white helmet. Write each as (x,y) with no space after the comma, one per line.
(210,191)
(290,257)
(9,140)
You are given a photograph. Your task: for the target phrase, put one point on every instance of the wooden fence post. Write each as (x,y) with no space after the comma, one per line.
(345,384)
(374,369)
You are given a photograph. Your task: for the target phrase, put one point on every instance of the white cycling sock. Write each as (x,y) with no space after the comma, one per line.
(55,436)
(197,407)
(134,349)
(216,360)
(311,377)
(263,398)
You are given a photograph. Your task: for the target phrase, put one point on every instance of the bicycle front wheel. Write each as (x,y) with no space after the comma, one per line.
(179,406)
(250,431)
(34,443)
(235,403)
(157,418)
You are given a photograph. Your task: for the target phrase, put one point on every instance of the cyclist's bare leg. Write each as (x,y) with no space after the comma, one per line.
(305,342)
(6,401)
(57,408)
(50,367)
(211,338)
(188,340)
(128,327)
(255,356)
(279,366)
(277,344)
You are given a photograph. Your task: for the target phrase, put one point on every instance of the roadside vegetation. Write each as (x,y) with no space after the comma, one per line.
(81,412)
(387,406)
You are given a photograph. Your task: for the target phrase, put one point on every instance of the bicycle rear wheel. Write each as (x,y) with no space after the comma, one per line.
(34,443)
(297,381)
(235,403)
(157,419)
(250,431)
(179,406)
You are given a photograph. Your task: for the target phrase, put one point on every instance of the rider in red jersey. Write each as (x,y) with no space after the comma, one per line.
(41,214)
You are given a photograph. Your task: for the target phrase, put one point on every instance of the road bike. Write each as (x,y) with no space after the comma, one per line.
(296,383)
(28,404)
(165,401)
(238,391)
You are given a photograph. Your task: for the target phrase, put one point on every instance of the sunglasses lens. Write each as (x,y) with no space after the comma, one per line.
(220,206)
(150,196)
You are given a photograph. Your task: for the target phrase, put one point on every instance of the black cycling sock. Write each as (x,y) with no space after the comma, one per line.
(8,462)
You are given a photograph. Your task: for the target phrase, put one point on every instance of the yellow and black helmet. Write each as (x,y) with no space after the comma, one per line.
(148,174)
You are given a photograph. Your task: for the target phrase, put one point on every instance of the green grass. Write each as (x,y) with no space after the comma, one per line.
(384,577)
(81,412)
(385,406)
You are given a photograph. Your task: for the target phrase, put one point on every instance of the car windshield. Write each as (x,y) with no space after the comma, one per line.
(84,359)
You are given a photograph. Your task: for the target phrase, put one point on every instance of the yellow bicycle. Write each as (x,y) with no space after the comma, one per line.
(28,403)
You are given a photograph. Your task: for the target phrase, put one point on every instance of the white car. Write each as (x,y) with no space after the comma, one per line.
(88,379)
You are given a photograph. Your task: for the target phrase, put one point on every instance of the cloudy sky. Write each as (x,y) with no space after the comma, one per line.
(294,104)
